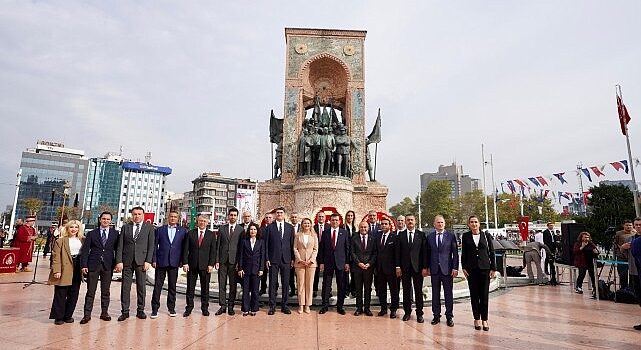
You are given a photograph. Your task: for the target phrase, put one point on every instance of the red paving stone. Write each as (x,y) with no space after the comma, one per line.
(530,317)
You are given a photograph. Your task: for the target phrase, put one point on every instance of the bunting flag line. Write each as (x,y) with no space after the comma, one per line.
(542,180)
(510,185)
(597,171)
(586,172)
(534,181)
(561,178)
(520,183)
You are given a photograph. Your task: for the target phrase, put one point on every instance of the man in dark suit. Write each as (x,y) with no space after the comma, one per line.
(550,242)
(199,258)
(135,254)
(386,268)
(167,260)
(442,263)
(97,261)
(279,258)
(409,267)
(293,219)
(228,238)
(364,252)
(372,222)
(319,228)
(269,218)
(333,257)
(247,219)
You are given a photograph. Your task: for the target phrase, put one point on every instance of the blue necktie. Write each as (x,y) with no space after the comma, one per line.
(104,237)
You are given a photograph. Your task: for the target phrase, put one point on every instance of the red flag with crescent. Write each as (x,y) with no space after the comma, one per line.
(524,227)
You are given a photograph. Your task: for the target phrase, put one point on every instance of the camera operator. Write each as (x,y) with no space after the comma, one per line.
(622,254)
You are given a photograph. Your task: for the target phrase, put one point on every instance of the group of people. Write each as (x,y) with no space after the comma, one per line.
(627,246)
(365,255)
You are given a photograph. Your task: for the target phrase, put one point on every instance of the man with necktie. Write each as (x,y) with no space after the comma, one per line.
(167,260)
(319,228)
(442,265)
(386,269)
(372,222)
(333,257)
(228,238)
(410,267)
(134,254)
(97,262)
(364,252)
(199,258)
(279,259)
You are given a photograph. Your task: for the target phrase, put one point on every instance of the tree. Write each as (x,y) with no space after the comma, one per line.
(404,207)
(71,213)
(608,206)
(437,200)
(470,203)
(33,205)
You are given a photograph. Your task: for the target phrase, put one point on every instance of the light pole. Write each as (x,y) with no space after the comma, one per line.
(15,205)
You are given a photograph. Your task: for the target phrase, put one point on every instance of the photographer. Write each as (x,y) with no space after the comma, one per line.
(622,253)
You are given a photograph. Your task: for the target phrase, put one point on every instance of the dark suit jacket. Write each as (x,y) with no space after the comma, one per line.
(279,250)
(228,243)
(325,227)
(377,227)
(386,256)
(410,258)
(168,253)
(93,254)
(352,229)
(137,252)
(367,256)
(199,257)
(548,240)
(481,257)
(251,261)
(334,257)
(445,255)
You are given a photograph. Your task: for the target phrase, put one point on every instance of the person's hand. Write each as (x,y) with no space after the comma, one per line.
(424,272)
(217,266)
(146,266)
(625,245)
(119,267)
(362,266)
(428,272)
(210,269)
(260,273)
(268,264)
(398,272)
(153,265)
(85,270)
(492,274)
(241,273)
(186,268)
(465,273)
(321,267)
(346,267)
(367,266)
(56,275)
(454,273)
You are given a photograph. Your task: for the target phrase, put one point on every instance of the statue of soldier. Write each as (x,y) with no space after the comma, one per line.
(325,119)
(305,153)
(315,148)
(327,146)
(342,151)
(279,160)
(368,161)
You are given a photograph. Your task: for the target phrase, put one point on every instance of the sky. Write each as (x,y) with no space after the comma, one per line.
(193,83)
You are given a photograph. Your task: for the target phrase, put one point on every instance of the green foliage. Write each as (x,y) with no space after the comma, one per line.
(406,206)
(33,205)
(436,200)
(608,206)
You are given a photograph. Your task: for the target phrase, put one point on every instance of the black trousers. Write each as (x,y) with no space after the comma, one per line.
(292,282)
(125,288)
(227,272)
(204,277)
(636,286)
(328,275)
(581,276)
(384,281)
(622,271)
(479,284)
(159,282)
(363,281)
(283,270)
(104,274)
(549,263)
(250,293)
(447,281)
(66,297)
(412,280)
(263,282)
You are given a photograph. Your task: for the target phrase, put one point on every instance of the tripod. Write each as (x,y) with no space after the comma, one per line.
(35,270)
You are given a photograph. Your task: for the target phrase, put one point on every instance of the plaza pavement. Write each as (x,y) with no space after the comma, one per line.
(531,317)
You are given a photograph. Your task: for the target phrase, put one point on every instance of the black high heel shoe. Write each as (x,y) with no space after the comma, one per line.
(477,327)
(486,327)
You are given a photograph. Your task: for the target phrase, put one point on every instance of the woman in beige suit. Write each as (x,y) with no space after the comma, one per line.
(65,272)
(305,250)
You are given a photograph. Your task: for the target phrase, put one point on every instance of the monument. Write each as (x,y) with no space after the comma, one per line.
(322,160)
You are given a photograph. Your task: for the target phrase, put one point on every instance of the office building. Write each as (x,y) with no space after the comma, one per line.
(459,182)
(215,194)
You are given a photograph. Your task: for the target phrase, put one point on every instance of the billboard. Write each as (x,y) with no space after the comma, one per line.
(246,201)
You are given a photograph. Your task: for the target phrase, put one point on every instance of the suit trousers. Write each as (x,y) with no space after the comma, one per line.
(159,282)
(275,270)
(533,257)
(125,288)
(292,282)
(263,282)
(479,284)
(447,281)
(363,281)
(66,297)
(305,278)
(250,293)
(328,275)
(622,271)
(384,281)
(227,271)
(192,276)
(104,274)
(317,278)
(549,261)
(415,280)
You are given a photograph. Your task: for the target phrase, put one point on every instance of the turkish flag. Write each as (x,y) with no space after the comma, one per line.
(524,227)
(149,217)
(624,116)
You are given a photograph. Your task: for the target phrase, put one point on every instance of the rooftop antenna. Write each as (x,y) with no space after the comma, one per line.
(148,158)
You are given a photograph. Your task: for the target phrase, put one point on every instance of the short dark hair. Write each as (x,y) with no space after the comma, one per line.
(336,215)
(137,208)
(627,222)
(173,212)
(279,208)
(386,219)
(471,217)
(231,210)
(106,213)
(637,219)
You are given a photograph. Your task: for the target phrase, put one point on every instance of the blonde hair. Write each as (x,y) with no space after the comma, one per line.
(65,232)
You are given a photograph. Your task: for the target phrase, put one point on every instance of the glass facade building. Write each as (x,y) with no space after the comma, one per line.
(104,183)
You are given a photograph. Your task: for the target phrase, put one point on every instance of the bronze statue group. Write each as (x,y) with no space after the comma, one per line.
(352,256)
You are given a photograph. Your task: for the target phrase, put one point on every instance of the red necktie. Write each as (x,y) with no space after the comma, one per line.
(334,239)
(200,238)
(363,245)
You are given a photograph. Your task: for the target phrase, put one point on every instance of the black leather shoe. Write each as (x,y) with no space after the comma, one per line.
(286,310)
(450,322)
(406,317)
(105,317)
(368,313)
(123,317)
(315,294)
(271,311)
(637,327)
(205,312)
(420,319)
(357,313)
(220,311)
(392,314)
(382,313)
(186,313)
(340,310)
(141,315)
(231,312)
(323,310)
(85,320)
(58,322)
(436,320)
(69,320)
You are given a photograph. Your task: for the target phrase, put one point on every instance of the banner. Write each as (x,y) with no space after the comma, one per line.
(246,201)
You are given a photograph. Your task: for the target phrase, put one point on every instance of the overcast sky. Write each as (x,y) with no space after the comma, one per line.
(193,83)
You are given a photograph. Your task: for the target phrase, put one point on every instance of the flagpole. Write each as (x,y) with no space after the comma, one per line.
(496,215)
(635,190)
(487,218)
(578,168)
